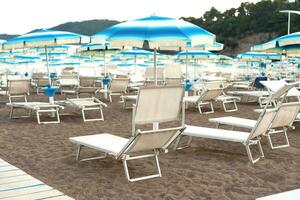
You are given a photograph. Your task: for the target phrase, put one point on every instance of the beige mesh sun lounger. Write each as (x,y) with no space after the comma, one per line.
(153,106)
(284,118)
(260,128)
(153,142)
(16,184)
(39,108)
(85,105)
(206,97)
(246,138)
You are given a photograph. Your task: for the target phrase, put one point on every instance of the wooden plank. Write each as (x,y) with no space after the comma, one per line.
(65,197)
(17,185)
(39,195)
(7,168)
(11,173)
(13,179)
(29,190)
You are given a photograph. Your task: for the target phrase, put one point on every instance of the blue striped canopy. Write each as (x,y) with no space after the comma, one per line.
(286,40)
(203,54)
(261,55)
(27,57)
(43,38)
(156,31)
(137,52)
(216,46)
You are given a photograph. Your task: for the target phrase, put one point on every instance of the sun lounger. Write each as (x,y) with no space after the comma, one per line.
(246,138)
(259,95)
(154,141)
(260,128)
(84,105)
(117,86)
(273,86)
(284,118)
(206,97)
(153,106)
(38,108)
(16,184)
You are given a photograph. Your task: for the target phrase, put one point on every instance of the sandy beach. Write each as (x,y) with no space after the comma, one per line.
(209,169)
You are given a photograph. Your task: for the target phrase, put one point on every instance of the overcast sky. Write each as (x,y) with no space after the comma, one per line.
(21,16)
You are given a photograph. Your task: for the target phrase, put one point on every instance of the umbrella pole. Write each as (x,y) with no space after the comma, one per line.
(186,65)
(134,64)
(155,68)
(47,64)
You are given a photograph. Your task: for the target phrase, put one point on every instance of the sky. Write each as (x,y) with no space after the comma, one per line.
(22,16)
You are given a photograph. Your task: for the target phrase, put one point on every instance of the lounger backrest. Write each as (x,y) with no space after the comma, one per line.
(263,123)
(119,84)
(38,75)
(173,71)
(173,81)
(20,86)
(145,141)
(41,82)
(68,71)
(158,104)
(210,94)
(274,86)
(69,81)
(213,84)
(280,92)
(87,81)
(149,73)
(286,114)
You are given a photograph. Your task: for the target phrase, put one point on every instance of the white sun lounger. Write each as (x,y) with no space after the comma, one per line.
(153,106)
(284,118)
(206,97)
(16,184)
(274,86)
(38,108)
(84,105)
(246,138)
(154,141)
(260,128)
(289,195)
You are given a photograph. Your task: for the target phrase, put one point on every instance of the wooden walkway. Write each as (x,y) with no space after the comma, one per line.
(15,184)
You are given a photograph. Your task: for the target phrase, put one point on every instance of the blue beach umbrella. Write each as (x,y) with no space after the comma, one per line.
(45,38)
(155,32)
(286,40)
(258,55)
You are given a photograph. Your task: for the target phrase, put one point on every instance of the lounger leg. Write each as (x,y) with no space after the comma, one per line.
(250,154)
(127,158)
(228,102)
(199,108)
(287,143)
(93,119)
(110,98)
(188,144)
(87,159)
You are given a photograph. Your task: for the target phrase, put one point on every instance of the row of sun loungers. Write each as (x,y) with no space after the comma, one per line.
(165,104)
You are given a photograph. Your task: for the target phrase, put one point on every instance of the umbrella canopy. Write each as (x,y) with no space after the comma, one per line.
(42,38)
(196,54)
(137,52)
(259,55)
(154,32)
(286,40)
(216,46)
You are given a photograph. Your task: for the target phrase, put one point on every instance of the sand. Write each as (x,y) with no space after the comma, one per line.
(209,169)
